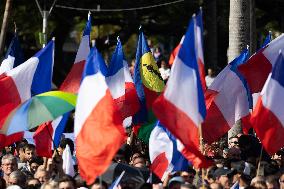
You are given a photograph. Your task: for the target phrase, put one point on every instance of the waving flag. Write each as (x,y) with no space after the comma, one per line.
(149,84)
(198,39)
(49,134)
(121,84)
(175,52)
(228,99)
(267,117)
(164,153)
(73,79)
(257,68)
(98,124)
(14,55)
(181,107)
(31,77)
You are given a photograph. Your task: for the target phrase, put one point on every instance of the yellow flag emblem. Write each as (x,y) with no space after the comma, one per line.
(150,73)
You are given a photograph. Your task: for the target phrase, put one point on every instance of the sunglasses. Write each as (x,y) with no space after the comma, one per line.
(235,142)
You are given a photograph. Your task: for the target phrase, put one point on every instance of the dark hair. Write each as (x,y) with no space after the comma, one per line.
(66,141)
(28,147)
(67,178)
(37,160)
(189,186)
(97,181)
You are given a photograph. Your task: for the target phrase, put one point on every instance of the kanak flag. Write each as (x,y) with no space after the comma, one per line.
(267,118)
(228,99)
(98,123)
(73,79)
(165,153)
(29,78)
(181,107)
(120,83)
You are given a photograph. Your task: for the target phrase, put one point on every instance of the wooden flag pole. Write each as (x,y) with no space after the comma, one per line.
(202,151)
(260,156)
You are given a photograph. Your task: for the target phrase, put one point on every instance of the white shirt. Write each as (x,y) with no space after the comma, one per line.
(209,80)
(165,73)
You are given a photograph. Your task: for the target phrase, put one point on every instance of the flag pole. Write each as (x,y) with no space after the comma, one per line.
(199,126)
(260,156)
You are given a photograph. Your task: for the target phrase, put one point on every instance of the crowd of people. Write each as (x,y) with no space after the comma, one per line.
(239,163)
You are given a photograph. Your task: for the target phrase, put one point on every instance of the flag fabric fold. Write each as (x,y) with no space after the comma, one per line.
(74,77)
(67,165)
(48,135)
(29,78)
(121,84)
(267,117)
(164,153)
(228,100)
(198,39)
(149,84)
(14,55)
(181,107)
(98,124)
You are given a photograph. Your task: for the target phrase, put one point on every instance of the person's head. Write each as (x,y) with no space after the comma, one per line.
(257,179)
(29,150)
(20,149)
(188,176)
(210,174)
(175,182)
(215,185)
(50,185)
(8,164)
(164,64)
(233,141)
(223,176)
(63,143)
(97,185)
(42,176)
(139,162)
(187,186)
(272,182)
(66,182)
(281,181)
(234,153)
(79,181)
(33,182)
(210,72)
(17,178)
(35,163)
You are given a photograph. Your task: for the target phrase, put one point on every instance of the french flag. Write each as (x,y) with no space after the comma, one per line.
(120,83)
(257,68)
(29,78)
(98,123)
(48,135)
(198,39)
(14,55)
(228,100)
(164,153)
(267,117)
(175,52)
(181,107)
(73,79)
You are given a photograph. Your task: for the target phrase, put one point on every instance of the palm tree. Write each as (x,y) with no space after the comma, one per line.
(239,34)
